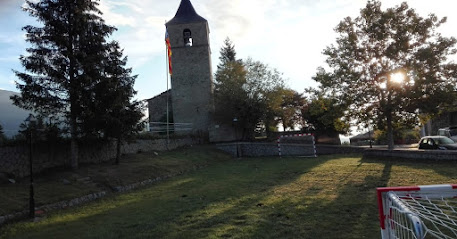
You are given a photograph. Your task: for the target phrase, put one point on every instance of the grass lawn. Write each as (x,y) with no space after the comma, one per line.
(49,187)
(324,197)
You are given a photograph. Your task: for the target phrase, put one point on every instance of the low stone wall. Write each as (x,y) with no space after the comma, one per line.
(251,149)
(51,207)
(15,160)
(412,154)
(323,149)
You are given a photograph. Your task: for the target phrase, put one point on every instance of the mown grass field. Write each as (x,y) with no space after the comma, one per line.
(49,187)
(324,197)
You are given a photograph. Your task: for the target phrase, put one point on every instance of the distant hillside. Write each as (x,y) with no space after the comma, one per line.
(11,116)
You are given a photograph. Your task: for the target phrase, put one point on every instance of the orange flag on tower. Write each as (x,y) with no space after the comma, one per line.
(167,42)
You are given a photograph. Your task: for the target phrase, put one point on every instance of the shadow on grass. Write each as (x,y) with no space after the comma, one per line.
(327,197)
(64,184)
(445,168)
(349,212)
(216,202)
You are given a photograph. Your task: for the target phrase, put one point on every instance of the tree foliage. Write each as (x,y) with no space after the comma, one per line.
(325,115)
(71,71)
(373,47)
(111,111)
(253,93)
(288,109)
(228,53)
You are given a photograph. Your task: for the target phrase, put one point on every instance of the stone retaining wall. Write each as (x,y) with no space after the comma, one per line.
(51,207)
(251,149)
(323,149)
(412,154)
(15,160)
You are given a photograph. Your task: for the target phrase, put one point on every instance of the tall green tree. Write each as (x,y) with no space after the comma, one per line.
(229,94)
(380,46)
(112,112)
(265,87)
(325,115)
(64,62)
(249,91)
(290,110)
(228,53)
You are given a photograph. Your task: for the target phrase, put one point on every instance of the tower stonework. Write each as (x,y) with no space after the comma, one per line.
(191,80)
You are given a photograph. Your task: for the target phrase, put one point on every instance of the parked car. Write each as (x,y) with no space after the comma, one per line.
(437,142)
(450,132)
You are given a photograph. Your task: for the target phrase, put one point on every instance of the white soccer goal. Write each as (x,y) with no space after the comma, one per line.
(418,212)
(296,145)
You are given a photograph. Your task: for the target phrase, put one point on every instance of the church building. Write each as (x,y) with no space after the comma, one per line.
(190,99)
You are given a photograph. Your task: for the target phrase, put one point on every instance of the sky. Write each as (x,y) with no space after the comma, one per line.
(288,35)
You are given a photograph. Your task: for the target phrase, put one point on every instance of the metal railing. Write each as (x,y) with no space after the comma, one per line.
(163,127)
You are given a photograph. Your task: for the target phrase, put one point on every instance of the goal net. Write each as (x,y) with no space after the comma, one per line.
(418,212)
(296,145)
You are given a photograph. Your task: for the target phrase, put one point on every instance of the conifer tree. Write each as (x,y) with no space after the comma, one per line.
(249,91)
(112,110)
(228,53)
(64,62)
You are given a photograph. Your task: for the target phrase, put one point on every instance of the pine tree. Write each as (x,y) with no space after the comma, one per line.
(228,53)
(249,91)
(229,80)
(113,111)
(65,61)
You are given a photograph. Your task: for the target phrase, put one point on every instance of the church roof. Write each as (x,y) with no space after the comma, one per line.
(186,14)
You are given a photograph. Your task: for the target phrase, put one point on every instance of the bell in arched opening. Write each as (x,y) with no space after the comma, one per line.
(187,37)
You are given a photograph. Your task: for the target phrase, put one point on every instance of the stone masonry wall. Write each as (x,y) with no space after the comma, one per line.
(270,149)
(192,83)
(15,160)
(323,149)
(437,155)
(248,149)
(157,106)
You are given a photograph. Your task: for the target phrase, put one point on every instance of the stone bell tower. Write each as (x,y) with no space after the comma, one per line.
(191,81)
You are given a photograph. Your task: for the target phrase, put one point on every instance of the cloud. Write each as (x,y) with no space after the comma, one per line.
(286,34)
(113,18)
(141,27)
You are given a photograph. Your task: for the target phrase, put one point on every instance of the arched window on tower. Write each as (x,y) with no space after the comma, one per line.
(187,37)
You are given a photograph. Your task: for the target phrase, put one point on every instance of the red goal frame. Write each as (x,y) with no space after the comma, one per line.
(432,191)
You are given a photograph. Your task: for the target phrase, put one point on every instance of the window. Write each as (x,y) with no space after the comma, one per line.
(425,141)
(187,37)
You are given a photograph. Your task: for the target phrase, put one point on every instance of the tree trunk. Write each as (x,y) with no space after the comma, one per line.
(74,153)
(390,133)
(118,150)
(73,133)
(73,98)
